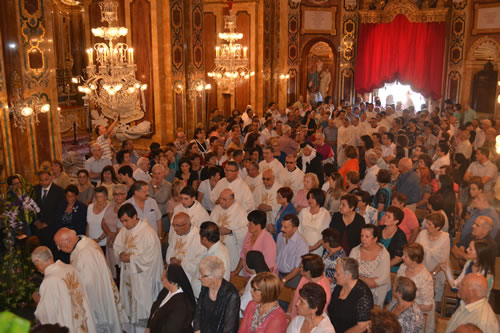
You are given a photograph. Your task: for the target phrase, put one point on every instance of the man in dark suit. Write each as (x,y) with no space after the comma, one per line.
(48,197)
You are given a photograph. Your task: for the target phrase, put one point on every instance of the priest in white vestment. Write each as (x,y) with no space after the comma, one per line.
(210,239)
(292,176)
(346,137)
(232,181)
(232,221)
(96,278)
(269,162)
(137,248)
(254,177)
(62,298)
(184,247)
(265,196)
(191,207)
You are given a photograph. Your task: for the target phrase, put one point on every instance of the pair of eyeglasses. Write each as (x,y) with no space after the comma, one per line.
(255,289)
(265,178)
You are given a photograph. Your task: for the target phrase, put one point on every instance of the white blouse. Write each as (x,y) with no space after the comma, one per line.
(94,223)
(311,226)
(324,326)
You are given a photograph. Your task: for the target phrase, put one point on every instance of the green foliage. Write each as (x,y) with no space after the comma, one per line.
(16,270)
(16,280)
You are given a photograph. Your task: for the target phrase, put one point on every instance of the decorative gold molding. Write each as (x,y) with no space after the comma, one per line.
(69,6)
(225,2)
(484,41)
(407,8)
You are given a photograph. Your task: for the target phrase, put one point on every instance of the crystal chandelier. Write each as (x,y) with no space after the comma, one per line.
(111,81)
(25,111)
(197,88)
(231,59)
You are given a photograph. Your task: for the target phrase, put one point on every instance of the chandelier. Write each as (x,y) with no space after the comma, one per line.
(111,83)
(25,111)
(231,59)
(197,88)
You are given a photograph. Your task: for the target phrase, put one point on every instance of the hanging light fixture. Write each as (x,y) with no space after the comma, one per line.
(25,111)
(111,81)
(231,58)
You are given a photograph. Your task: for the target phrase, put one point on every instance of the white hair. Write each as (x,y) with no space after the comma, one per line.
(121,187)
(158,166)
(142,161)
(42,254)
(213,266)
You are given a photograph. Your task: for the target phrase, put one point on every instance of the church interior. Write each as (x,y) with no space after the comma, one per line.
(168,49)
(151,69)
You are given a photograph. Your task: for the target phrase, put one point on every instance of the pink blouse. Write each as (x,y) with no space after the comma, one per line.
(277,318)
(322,282)
(265,244)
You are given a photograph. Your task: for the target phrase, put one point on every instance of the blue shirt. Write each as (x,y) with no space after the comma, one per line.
(290,254)
(490,212)
(289,209)
(408,184)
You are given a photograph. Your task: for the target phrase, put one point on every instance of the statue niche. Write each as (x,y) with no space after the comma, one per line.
(484,89)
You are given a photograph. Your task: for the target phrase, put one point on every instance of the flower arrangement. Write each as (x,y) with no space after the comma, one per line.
(17,212)
(19,208)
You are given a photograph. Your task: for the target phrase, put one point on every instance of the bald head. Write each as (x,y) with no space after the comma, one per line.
(143,163)
(405,165)
(226,198)
(472,288)
(181,223)
(485,123)
(66,239)
(268,178)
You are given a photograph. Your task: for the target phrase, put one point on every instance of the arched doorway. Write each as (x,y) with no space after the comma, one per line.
(317,78)
(483,51)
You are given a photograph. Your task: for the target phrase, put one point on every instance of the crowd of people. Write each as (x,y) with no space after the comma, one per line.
(329,201)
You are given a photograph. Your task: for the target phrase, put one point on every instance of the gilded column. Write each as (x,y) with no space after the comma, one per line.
(293,50)
(347,51)
(456,51)
(6,158)
(29,56)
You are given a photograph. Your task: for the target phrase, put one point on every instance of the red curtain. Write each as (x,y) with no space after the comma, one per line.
(409,52)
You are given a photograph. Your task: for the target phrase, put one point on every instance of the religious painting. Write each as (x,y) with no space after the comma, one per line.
(486,18)
(320,65)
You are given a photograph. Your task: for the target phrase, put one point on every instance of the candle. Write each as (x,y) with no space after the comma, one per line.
(131,56)
(217,51)
(90,54)
(245,49)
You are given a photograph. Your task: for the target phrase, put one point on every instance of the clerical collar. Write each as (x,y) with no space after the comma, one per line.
(292,170)
(191,204)
(79,239)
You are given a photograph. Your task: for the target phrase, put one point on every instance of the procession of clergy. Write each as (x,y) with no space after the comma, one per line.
(243,163)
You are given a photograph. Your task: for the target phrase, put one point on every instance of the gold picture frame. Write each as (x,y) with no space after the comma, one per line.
(318,20)
(486,18)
